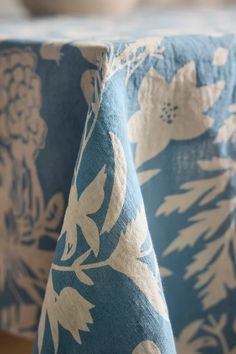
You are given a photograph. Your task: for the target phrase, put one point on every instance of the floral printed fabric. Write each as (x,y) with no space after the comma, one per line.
(113,155)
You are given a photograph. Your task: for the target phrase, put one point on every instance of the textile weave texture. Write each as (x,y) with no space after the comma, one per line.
(117,184)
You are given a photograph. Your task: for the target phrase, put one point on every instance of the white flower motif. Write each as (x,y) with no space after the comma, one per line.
(146,347)
(69,309)
(220,56)
(169,111)
(227,131)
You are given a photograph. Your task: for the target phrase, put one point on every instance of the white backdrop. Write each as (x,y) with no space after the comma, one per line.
(11,7)
(14,7)
(188,3)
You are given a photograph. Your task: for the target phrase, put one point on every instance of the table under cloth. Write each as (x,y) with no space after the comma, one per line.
(118,183)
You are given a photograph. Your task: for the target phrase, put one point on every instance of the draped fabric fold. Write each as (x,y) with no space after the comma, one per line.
(105,242)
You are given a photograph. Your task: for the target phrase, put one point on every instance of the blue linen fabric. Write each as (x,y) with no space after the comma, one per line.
(117,150)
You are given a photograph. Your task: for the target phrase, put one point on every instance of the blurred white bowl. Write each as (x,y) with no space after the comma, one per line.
(81,7)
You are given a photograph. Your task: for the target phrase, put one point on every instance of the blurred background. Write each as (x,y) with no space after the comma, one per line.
(99,7)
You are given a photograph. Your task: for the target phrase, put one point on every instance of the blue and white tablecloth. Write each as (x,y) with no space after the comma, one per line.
(118,183)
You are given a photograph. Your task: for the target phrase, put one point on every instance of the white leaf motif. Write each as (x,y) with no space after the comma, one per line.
(209,266)
(146,347)
(124,259)
(205,224)
(217,164)
(145,176)
(54,211)
(87,84)
(220,56)
(212,265)
(119,185)
(165,272)
(193,192)
(200,191)
(78,213)
(187,343)
(69,225)
(228,131)
(81,275)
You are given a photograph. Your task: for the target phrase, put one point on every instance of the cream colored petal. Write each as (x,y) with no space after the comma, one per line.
(146,347)
(192,103)
(77,213)
(227,132)
(193,125)
(87,84)
(152,83)
(92,197)
(54,211)
(145,127)
(210,94)
(69,224)
(185,76)
(52,51)
(136,127)
(232,108)
(150,135)
(73,312)
(93,53)
(145,176)
(165,272)
(91,233)
(220,56)
(217,164)
(154,143)
(117,197)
